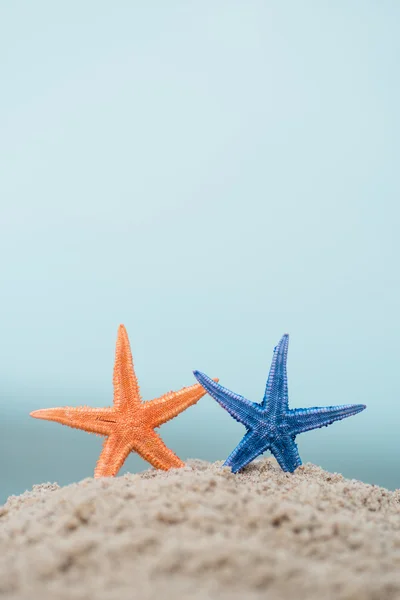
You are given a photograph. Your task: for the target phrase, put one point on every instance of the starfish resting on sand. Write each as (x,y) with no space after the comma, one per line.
(271,425)
(129,425)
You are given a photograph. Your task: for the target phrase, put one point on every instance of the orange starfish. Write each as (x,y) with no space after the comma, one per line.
(130,423)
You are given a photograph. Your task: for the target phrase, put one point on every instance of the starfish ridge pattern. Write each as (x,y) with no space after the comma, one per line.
(271,425)
(129,425)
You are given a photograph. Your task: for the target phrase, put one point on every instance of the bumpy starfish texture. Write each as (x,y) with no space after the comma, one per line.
(129,425)
(271,425)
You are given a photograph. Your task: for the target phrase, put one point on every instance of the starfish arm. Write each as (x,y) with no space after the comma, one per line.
(286,453)
(275,399)
(151,447)
(93,420)
(305,419)
(244,411)
(126,387)
(170,405)
(115,450)
(247,450)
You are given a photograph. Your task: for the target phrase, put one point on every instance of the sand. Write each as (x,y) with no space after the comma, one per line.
(201,532)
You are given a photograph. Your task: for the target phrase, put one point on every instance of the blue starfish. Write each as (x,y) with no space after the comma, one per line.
(271,425)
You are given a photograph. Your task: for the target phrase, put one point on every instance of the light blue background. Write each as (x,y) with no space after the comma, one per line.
(212,175)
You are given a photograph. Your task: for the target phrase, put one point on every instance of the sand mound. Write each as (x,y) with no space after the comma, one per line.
(201,532)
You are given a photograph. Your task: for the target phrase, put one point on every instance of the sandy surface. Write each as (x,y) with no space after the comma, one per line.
(201,532)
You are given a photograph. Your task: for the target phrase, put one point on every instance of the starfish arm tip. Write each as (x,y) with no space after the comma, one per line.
(202,378)
(228,464)
(38,414)
(199,375)
(357,408)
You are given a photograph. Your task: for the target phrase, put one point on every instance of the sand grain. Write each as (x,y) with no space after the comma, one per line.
(201,532)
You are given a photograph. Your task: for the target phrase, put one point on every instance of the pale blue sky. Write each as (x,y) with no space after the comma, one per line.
(212,175)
